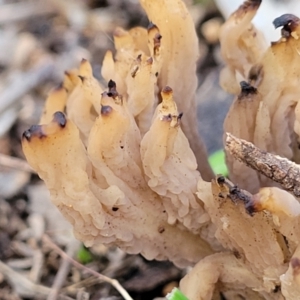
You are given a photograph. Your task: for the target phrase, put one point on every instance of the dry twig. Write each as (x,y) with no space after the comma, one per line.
(115,283)
(24,10)
(15,163)
(273,166)
(85,283)
(23,83)
(24,287)
(63,271)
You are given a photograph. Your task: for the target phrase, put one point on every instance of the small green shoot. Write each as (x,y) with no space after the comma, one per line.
(84,256)
(217,162)
(176,294)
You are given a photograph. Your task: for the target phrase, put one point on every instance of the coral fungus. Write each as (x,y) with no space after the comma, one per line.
(126,166)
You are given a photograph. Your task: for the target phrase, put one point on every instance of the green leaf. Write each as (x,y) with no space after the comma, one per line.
(218,163)
(84,256)
(176,294)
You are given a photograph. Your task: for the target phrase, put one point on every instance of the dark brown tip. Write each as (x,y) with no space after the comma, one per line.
(167,90)
(34,130)
(167,118)
(250,208)
(255,73)
(112,89)
(295,264)
(246,89)
(286,20)
(149,61)
(289,23)
(151,26)
(111,84)
(82,78)
(250,4)
(106,110)
(27,134)
(157,38)
(157,41)
(221,180)
(235,193)
(83,60)
(60,119)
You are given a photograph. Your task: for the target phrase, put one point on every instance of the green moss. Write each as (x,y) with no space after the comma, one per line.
(218,163)
(176,294)
(84,256)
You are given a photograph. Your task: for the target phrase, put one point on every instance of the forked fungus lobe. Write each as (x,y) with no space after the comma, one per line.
(129,163)
(104,195)
(122,163)
(265,111)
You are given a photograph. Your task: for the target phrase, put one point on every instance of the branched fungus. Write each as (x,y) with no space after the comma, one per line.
(265,111)
(125,164)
